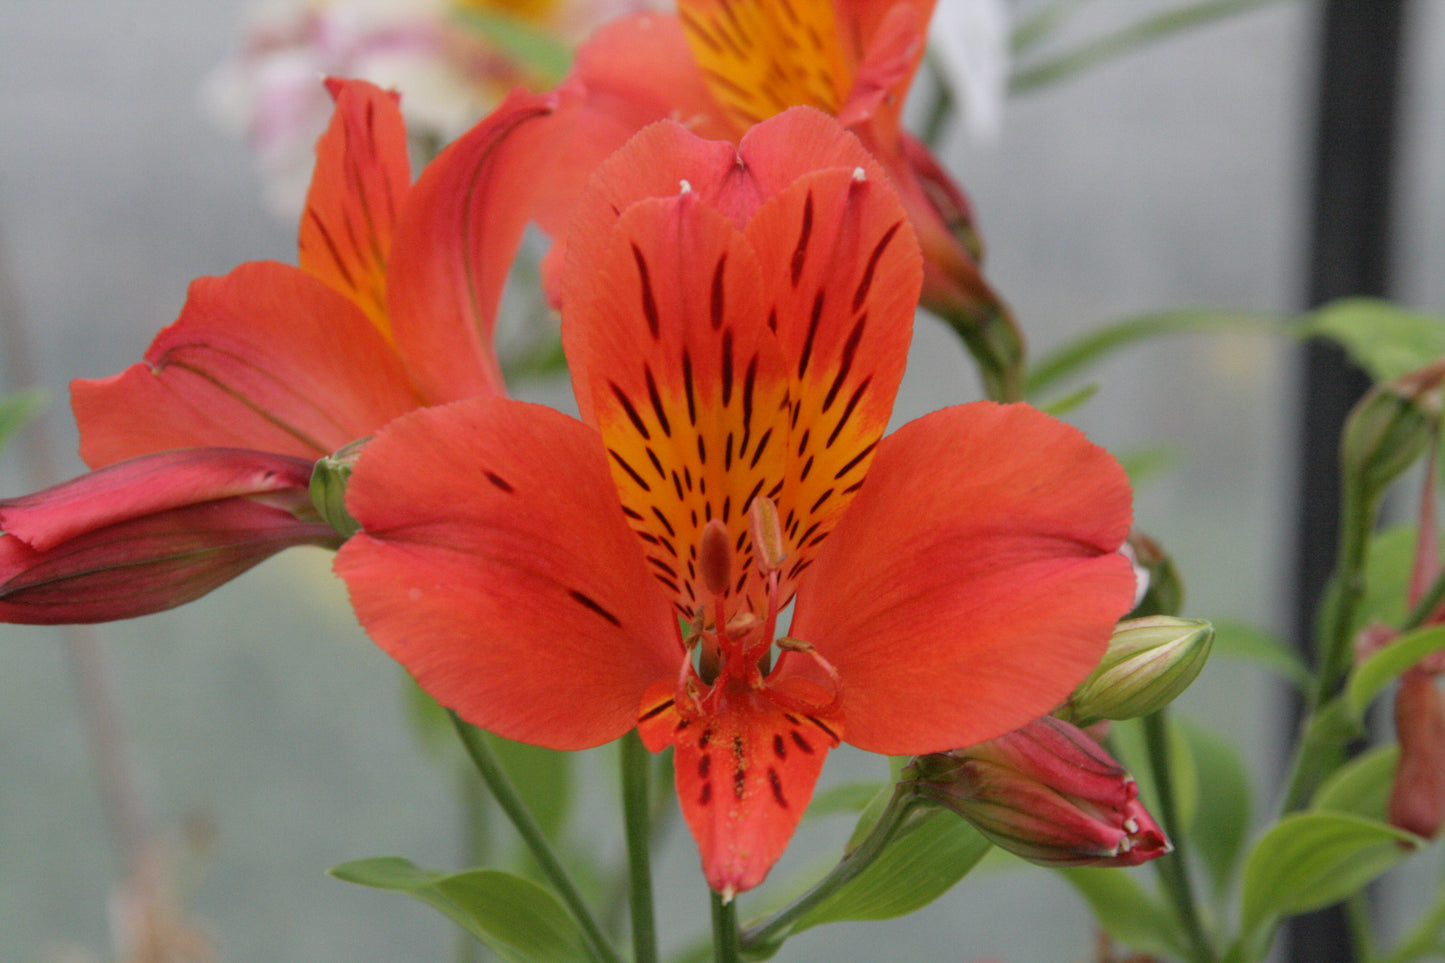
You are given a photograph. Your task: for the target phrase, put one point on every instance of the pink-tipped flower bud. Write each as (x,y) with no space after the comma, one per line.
(1048,793)
(1149,662)
(149,534)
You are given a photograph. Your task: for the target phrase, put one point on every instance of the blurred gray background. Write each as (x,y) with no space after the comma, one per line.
(1175,176)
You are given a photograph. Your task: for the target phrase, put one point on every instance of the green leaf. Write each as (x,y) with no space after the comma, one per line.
(1388,562)
(1383,338)
(1073,357)
(1372,675)
(853,797)
(1240,640)
(1133,36)
(922,864)
(1310,860)
(518,919)
(1361,786)
(542,777)
(1061,406)
(530,46)
(1126,911)
(1222,814)
(17,410)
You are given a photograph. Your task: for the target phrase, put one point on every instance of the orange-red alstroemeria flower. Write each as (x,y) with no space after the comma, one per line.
(272,366)
(720,66)
(736,320)
(392,306)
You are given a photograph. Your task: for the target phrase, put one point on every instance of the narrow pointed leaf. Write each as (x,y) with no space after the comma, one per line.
(1372,675)
(920,866)
(520,920)
(1126,911)
(1361,786)
(1313,859)
(1385,339)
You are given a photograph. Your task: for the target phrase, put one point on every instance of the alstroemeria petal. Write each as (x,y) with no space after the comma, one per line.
(454,244)
(266,357)
(496,565)
(361,175)
(845,286)
(736,181)
(889,43)
(668,332)
(148,563)
(148,485)
(760,57)
(744,776)
(974,580)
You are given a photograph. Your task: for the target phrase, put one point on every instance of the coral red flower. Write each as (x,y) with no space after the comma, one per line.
(736,320)
(720,66)
(391,308)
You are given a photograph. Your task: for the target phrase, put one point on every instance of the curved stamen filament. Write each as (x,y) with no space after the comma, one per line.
(801,705)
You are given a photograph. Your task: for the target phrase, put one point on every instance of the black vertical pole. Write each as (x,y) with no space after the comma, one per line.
(1349,255)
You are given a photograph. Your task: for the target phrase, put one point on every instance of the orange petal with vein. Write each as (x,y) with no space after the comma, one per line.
(361,176)
(973,582)
(667,332)
(844,292)
(454,244)
(266,357)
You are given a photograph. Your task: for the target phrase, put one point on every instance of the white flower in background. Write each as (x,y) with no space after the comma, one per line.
(270,91)
(969,40)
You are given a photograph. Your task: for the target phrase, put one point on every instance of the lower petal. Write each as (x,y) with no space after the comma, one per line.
(745,771)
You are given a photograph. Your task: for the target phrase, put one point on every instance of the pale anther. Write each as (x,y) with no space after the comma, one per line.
(767,534)
(859,174)
(686,188)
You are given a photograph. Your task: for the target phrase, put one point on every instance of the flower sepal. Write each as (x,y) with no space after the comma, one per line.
(329,478)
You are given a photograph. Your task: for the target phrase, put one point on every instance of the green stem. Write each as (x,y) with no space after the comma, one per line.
(1362,932)
(1321,748)
(1172,869)
(532,835)
(1427,605)
(474,843)
(636,809)
(890,824)
(727,947)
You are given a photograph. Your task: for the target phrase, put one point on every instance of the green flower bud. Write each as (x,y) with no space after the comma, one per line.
(1390,427)
(1148,663)
(328,487)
